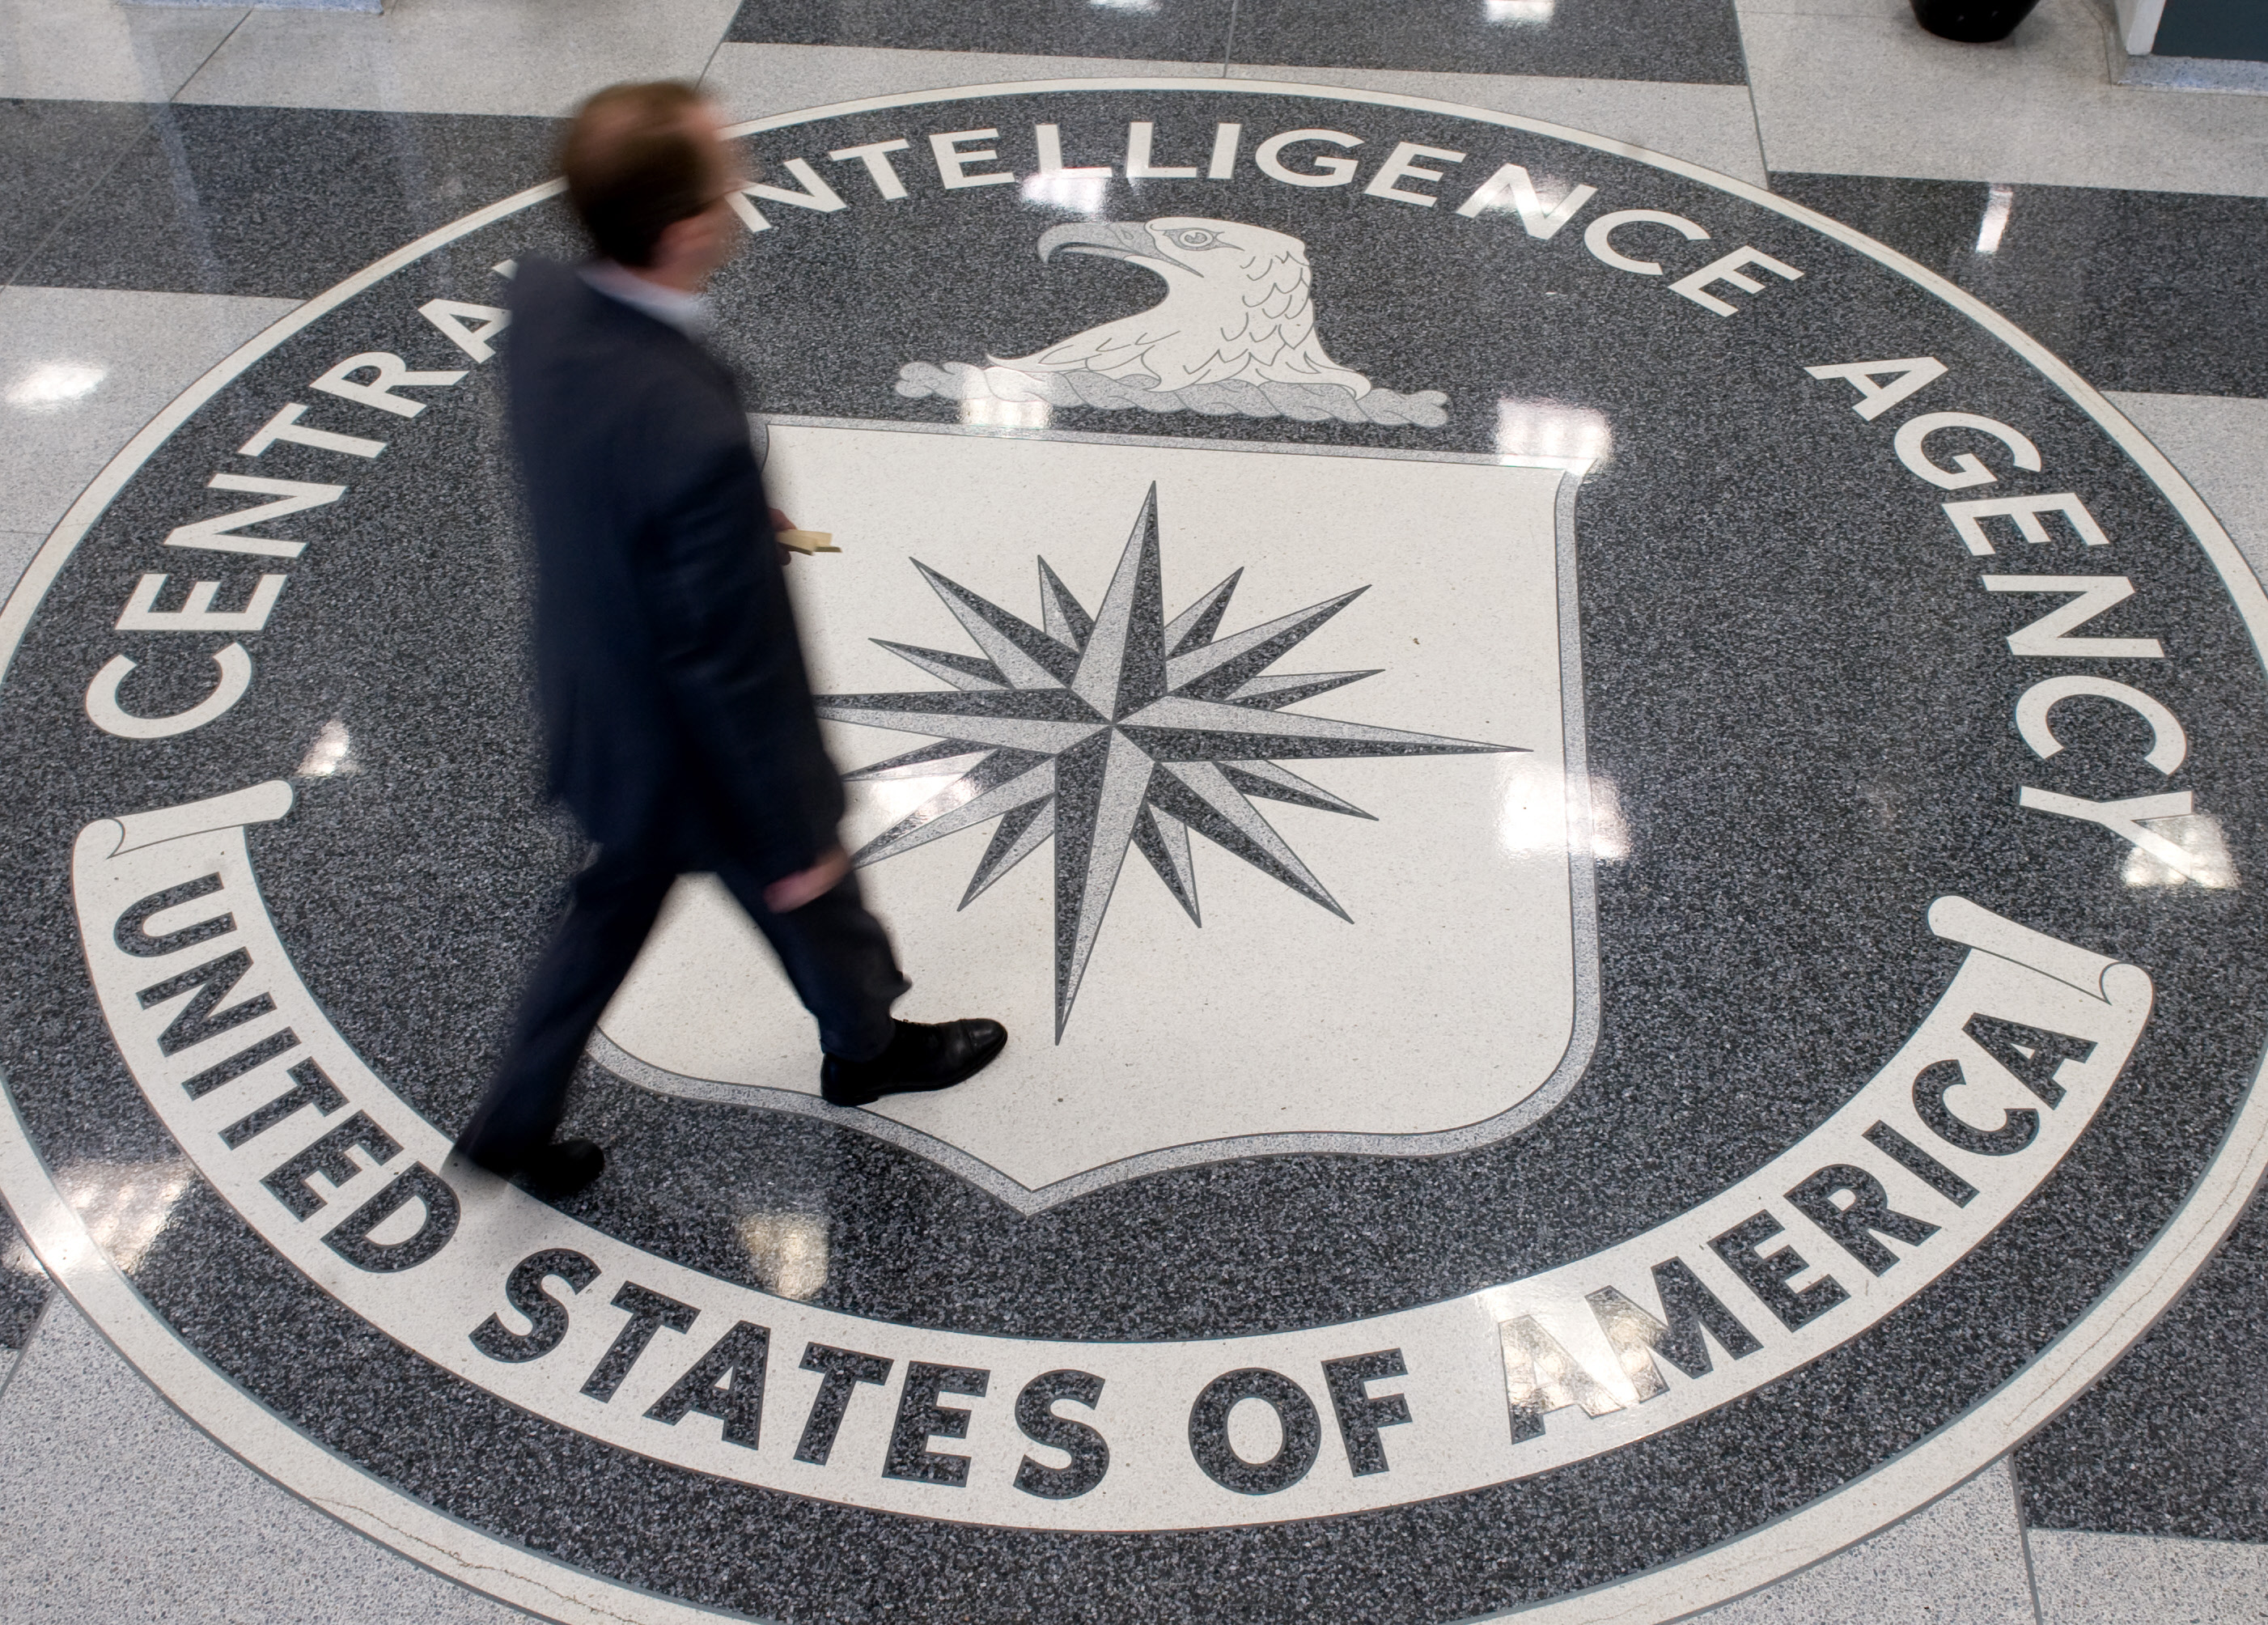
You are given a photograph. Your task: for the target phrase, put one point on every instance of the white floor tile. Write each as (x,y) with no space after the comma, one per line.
(113,1508)
(1850,93)
(99,50)
(1709,124)
(750,81)
(81,370)
(2220,442)
(2102,1579)
(1959,1561)
(459,55)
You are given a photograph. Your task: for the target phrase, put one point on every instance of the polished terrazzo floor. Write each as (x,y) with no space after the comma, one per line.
(1635,1022)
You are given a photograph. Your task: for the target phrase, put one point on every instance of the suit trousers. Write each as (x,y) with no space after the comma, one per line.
(836,954)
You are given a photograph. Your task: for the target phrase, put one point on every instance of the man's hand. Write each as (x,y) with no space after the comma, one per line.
(784,897)
(780,521)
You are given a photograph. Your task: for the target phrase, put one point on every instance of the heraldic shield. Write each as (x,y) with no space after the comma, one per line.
(1205,765)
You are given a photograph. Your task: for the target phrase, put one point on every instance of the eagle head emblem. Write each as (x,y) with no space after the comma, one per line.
(1239,303)
(1234,335)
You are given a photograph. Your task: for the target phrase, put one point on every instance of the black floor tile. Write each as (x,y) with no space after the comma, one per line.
(2173,1440)
(2147,291)
(2212,29)
(1694,41)
(280,201)
(1158,30)
(52,153)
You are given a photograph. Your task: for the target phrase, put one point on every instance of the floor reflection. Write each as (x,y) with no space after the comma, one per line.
(124,1205)
(790,1251)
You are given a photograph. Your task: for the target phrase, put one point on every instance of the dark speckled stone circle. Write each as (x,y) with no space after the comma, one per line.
(1911,714)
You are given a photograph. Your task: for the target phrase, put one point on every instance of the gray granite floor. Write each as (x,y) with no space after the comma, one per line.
(1960,1561)
(112,1507)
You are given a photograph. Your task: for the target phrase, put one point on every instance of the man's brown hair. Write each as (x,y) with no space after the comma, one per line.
(635,167)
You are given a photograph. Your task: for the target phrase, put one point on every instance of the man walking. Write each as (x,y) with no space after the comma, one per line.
(675,704)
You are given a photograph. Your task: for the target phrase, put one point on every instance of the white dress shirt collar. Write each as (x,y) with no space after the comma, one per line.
(688,313)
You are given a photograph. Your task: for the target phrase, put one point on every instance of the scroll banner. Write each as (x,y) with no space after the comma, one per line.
(344,1180)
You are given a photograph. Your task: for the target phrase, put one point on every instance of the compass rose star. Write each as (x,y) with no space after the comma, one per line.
(1115,729)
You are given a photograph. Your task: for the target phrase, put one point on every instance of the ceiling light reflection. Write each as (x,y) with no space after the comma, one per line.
(1997,202)
(1005,414)
(2200,838)
(789,1250)
(894,795)
(1540,816)
(55,385)
(1547,430)
(124,1205)
(1609,835)
(332,754)
(1526,12)
(1072,193)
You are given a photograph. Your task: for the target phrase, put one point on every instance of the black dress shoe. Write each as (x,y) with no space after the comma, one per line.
(920,1058)
(554,1172)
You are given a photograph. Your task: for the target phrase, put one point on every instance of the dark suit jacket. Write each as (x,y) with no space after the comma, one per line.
(674,699)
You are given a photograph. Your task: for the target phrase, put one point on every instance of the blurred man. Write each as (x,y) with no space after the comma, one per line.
(675,699)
